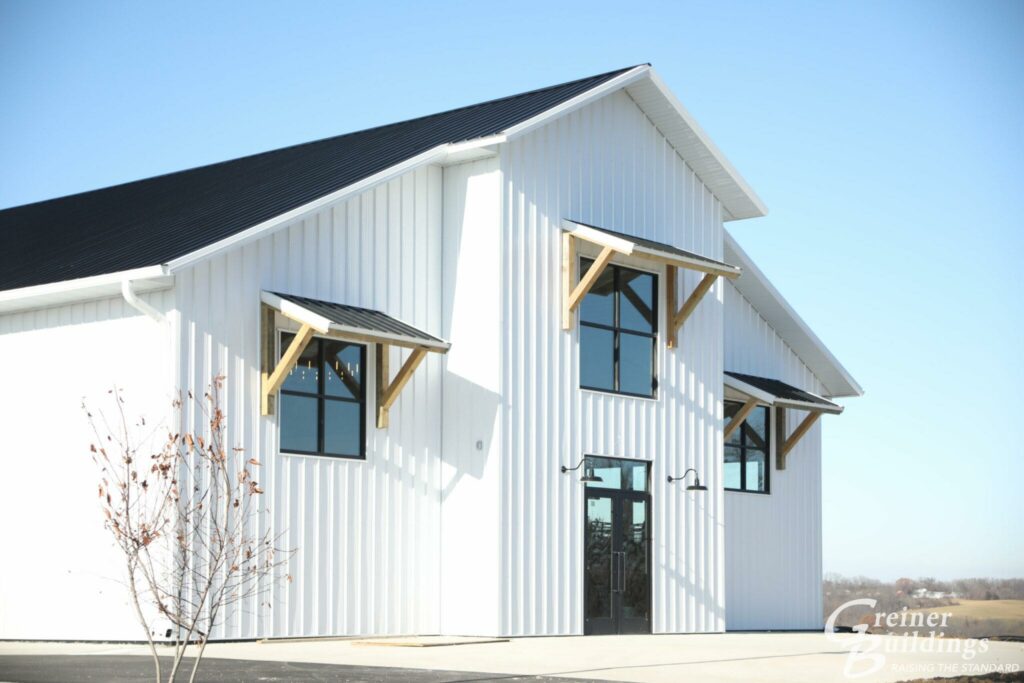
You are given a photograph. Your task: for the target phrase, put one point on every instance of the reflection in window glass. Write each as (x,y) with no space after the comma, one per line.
(755,477)
(636,299)
(731,408)
(746,451)
(733,463)
(618,473)
(304,376)
(298,423)
(618,326)
(342,429)
(342,369)
(598,306)
(598,557)
(323,400)
(597,353)
(636,362)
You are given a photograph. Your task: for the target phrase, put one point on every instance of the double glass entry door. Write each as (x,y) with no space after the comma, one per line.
(617,550)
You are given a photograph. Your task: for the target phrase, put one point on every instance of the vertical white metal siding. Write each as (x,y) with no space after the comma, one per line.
(366,532)
(773,542)
(470,589)
(608,165)
(68,582)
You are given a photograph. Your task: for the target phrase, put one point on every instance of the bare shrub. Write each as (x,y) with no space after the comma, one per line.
(184,516)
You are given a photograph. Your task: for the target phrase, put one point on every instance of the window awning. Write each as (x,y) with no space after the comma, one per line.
(612,243)
(349,323)
(644,248)
(777,393)
(352,322)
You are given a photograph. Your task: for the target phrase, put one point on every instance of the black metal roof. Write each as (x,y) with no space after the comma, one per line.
(365,319)
(783,391)
(659,246)
(153,221)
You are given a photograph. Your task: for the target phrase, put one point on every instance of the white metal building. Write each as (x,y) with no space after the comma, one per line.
(515,288)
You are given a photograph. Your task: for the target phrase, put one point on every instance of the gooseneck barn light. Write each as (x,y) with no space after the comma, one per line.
(588,473)
(695,486)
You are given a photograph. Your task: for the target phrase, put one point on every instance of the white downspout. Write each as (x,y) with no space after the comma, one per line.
(133,300)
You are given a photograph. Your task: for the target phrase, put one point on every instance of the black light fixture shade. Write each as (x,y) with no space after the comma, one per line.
(695,486)
(588,473)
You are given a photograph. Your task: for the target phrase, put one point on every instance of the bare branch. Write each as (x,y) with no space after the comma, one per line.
(183,516)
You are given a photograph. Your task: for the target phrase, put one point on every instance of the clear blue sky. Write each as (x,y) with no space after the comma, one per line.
(886,138)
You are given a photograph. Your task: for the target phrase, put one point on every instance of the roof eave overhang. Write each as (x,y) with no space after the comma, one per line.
(147,279)
(773,307)
(695,146)
(680,128)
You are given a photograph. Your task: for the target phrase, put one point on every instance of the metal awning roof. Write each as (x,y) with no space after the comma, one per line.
(778,393)
(631,245)
(359,324)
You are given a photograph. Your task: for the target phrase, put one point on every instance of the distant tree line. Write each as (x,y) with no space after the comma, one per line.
(906,593)
(901,591)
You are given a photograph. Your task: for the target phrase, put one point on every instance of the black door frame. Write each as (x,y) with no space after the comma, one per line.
(616,623)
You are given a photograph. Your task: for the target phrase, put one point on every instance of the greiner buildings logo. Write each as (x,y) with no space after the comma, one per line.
(923,634)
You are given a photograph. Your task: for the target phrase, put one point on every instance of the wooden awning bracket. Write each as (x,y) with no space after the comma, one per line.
(677,318)
(388,390)
(272,375)
(573,291)
(739,417)
(791,441)
(272,381)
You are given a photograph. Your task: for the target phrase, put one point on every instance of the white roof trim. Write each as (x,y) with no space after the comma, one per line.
(770,304)
(623,246)
(148,279)
(293,311)
(628,247)
(773,400)
(747,389)
(681,129)
(583,99)
(834,409)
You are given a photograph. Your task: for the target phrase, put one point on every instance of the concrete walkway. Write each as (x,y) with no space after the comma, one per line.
(768,657)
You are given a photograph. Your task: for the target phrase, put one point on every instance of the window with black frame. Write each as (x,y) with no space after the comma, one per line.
(618,332)
(746,451)
(323,400)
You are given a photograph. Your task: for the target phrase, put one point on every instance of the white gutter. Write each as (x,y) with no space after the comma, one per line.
(133,300)
(103,286)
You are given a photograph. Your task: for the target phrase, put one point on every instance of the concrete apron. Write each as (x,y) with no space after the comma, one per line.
(782,657)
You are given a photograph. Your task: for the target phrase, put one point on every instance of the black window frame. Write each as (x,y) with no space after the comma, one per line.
(743,448)
(322,396)
(617,330)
